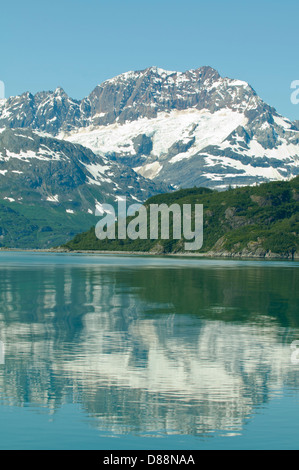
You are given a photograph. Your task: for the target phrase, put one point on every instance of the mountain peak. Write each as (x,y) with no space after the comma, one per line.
(170,126)
(159,71)
(163,73)
(59,91)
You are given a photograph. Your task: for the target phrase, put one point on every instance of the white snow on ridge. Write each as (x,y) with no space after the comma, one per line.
(133,74)
(122,76)
(53,198)
(44,155)
(100,210)
(165,130)
(269,173)
(99,115)
(238,83)
(284,151)
(24,136)
(97,171)
(283,122)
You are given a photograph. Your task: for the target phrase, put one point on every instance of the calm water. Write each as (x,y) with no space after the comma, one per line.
(106,352)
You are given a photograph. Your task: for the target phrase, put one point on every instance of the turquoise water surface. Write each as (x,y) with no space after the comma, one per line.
(131,352)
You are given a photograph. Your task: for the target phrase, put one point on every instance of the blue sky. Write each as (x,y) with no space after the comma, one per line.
(77,44)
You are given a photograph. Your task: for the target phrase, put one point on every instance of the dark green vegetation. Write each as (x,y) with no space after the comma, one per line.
(32,226)
(249,221)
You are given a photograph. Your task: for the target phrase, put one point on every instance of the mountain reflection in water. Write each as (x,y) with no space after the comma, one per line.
(149,349)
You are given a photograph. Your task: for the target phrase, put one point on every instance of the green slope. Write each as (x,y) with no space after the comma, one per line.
(32,226)
(254,221)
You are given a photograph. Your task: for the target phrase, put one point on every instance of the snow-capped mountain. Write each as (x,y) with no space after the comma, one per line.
(40,168)
(180,128)
(50,188)
(192,128)
(128,97)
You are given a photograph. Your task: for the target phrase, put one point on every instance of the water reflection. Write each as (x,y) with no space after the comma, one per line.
(149,349)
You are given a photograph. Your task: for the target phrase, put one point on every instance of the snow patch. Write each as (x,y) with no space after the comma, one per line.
(283,122)
(150,170)
(53,198)
(165,130)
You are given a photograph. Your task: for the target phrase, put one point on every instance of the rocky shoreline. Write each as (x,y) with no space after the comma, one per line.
(244,254)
